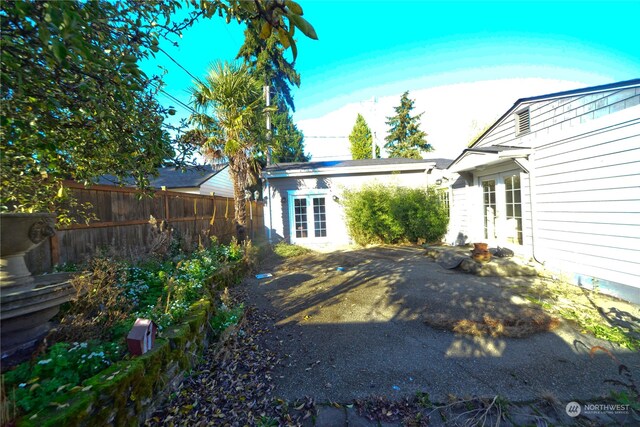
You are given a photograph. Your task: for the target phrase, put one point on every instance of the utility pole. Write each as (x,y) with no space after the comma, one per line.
(267,97)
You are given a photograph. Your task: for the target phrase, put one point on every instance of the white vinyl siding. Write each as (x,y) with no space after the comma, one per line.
(279,196)
(585,216)
(523,124)
(220,184)
(558,115)
(588,200)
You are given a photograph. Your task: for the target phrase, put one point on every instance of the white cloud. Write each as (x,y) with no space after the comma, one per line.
(453,114)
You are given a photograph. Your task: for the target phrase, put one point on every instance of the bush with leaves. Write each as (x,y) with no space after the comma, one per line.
(111,295)
(387,214)
(61,369)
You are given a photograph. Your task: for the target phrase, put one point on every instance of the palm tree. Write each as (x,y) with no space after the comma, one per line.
(231,133)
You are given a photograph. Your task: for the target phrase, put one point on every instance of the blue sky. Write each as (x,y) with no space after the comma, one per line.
(382,48)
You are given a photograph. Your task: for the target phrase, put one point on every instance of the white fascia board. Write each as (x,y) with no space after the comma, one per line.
(470,160)
(426,166)
(513,154)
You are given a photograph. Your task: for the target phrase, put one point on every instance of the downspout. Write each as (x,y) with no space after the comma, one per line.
(533,214)
(269,199)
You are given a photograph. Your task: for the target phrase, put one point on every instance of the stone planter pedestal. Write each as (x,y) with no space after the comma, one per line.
(26,303)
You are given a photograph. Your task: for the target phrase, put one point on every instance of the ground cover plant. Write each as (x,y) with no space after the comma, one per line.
(92,329)
(286,250)
(388,214)
(584,308)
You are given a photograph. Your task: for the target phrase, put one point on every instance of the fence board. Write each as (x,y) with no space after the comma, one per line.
(123,224)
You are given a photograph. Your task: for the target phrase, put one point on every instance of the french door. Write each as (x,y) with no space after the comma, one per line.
(308,217)
(502,208)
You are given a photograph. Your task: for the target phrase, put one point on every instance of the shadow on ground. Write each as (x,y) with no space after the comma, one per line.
(343,335)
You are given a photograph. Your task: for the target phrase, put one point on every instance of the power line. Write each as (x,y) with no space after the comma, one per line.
(188,107)
(178,64)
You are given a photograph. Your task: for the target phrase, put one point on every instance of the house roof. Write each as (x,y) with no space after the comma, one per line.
(171,177)
(563,94)
(352,166)
(473,157)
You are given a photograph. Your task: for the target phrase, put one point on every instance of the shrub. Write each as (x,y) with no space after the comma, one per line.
(386,214)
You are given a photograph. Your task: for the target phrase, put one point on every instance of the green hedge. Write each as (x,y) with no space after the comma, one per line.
(389,214)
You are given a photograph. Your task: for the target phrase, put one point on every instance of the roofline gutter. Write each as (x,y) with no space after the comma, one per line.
(328,170)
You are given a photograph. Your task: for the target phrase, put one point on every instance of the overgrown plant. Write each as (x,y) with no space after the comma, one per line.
(111,295)
(101,116)
(60,370)
(389,214)
(286,250)
(630,393)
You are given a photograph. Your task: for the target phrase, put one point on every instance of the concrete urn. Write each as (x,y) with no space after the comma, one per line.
(19,233)
(28,303)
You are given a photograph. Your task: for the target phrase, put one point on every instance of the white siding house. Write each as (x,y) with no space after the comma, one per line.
(219,184)
(557,177)
(302,199)
(203,179)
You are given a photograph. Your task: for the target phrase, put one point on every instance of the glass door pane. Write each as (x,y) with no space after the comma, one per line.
(300,217)
(513,208)
(489,204)
(319,217)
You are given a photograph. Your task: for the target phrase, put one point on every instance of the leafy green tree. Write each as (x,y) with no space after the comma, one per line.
(73,101)
(405,139)
(361,140)
(229,103)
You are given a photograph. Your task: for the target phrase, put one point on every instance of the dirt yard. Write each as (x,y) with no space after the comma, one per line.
(356,323)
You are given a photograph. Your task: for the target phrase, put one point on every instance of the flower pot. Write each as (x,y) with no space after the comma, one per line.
(481,247)
(20,233)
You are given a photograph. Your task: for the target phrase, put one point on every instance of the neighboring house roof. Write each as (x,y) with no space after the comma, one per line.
(352,166)
(555,95)
(171,177)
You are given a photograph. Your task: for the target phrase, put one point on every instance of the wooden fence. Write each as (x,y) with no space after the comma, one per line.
(123,223)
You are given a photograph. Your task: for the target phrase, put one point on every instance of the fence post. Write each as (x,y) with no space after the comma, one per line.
(166,207)
(54,246)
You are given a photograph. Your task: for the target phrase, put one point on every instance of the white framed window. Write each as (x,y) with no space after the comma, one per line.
(308,215)
(523,123)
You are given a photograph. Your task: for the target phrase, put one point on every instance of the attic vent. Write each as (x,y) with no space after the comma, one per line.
(522,122)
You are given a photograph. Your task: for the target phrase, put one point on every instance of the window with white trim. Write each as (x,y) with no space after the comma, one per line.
(523,123)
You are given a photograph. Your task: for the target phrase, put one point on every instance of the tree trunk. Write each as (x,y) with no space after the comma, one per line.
(237,167)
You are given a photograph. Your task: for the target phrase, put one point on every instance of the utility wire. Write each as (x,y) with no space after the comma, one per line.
(188,107)
(178,64)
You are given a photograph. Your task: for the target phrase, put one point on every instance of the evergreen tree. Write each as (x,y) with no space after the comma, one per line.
(405,139)
(287,141)
(266,58)
(361,140)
